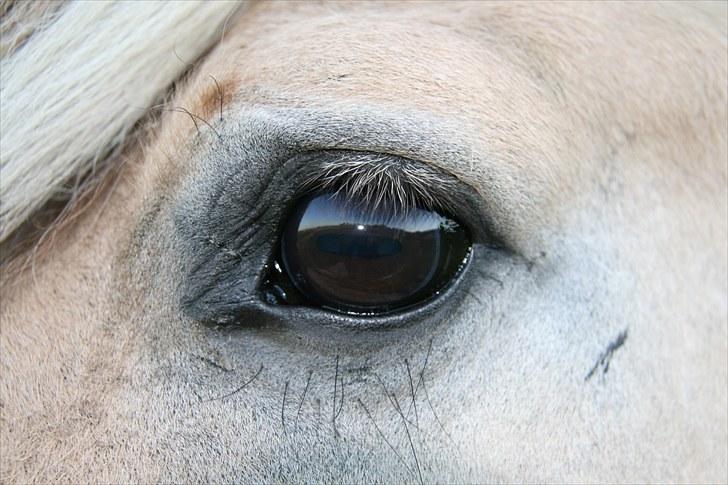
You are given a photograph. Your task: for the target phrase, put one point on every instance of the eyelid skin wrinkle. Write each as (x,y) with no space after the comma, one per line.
(263,137)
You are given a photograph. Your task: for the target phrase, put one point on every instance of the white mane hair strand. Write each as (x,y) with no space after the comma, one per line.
(74,80)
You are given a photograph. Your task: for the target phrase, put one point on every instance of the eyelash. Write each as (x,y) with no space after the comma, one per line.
(378,180)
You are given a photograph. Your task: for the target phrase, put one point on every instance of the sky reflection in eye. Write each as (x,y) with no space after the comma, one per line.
(333,210)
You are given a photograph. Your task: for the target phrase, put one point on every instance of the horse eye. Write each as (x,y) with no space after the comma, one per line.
(349,258)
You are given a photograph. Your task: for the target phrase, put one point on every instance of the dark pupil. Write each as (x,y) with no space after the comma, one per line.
(349,258)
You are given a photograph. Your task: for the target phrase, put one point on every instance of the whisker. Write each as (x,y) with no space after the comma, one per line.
(409,438)
(412,389)
(303,397)
(341,403)
(333,409)
(386,391)
(384,437)
(239,388)
(219,91)
(389,397)
(283,408)
(188,65)
(182,110)
(429,403)
(179,109)
(419,381)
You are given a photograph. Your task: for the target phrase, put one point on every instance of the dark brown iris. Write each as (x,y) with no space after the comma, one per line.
(352,259)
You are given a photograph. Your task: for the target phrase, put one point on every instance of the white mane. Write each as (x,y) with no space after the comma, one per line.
(75,79)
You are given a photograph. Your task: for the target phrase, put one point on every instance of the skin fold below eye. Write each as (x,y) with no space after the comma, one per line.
(350,258)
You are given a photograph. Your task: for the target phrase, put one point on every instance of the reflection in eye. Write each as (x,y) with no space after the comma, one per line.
(349,258)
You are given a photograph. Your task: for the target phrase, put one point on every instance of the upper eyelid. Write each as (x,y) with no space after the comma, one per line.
(274,134)
(414,135)
(382,180)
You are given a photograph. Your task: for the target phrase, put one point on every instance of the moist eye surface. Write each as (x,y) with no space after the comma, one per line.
(351,258)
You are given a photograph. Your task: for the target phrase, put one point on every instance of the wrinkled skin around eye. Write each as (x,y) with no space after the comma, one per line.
(594,349)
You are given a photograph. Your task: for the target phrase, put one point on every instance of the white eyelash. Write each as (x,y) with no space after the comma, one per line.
(378,180)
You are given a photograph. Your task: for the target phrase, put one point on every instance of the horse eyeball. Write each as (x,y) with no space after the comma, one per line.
(351,258)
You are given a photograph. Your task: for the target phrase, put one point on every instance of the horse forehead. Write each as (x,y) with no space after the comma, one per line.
(443,52)
(521,78)
(428,58)
(440,52)
(437,59)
